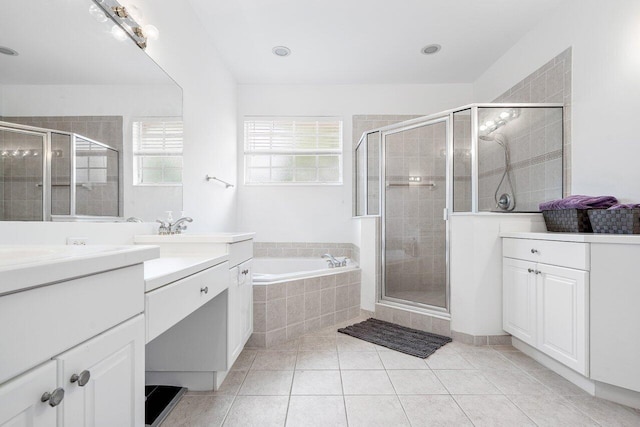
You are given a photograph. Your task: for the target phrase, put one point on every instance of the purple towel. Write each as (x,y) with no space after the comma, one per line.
(580,202)
(627,206)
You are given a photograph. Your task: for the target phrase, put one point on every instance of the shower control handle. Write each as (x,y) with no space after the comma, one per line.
(534,251)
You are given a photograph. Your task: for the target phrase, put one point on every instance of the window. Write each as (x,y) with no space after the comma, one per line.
(157,152)
(302,150)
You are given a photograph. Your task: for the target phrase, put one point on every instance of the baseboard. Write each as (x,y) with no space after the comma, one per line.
(619,395)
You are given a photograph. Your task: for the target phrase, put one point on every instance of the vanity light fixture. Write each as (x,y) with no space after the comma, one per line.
(502,119)
(8,51)
(124,19)
(281,51)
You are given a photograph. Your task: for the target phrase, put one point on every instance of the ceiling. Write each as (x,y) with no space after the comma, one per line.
(366,41)
(60,43)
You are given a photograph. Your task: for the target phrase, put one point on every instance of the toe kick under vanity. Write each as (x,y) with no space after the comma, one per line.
(572,302)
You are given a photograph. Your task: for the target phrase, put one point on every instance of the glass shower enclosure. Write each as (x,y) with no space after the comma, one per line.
(46,173)
(414,175)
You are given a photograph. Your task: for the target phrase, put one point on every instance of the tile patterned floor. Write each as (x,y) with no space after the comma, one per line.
(330,379)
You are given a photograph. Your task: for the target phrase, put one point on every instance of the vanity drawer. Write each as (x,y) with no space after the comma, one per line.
(43,322)
(240,252)
(563,254)
(166,306)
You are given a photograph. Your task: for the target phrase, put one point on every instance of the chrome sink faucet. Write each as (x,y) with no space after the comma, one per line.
(169,226)
(333,262)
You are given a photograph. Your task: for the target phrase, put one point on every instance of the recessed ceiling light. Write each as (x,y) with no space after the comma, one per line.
(8,51)
(430,49)
(281,51)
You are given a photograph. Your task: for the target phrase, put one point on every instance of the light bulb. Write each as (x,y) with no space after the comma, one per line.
(489,123)
(483,128)
(118,33)
(151,32)
(504,115)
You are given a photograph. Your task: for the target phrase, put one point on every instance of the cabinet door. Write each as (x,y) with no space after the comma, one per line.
(519,299)
(234,318)
(21,398)
(112,394)
(245,284)
(562,315)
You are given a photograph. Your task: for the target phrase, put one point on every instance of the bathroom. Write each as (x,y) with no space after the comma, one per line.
(399,182)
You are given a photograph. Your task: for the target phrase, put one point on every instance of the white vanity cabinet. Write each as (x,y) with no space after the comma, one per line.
(72,352)
(21,402)
(240,309)
(546,298)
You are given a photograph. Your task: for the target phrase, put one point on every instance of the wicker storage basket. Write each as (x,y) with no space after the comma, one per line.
(567,220)
(615,221)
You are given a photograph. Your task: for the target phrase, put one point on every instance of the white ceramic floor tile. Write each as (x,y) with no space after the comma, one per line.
(366,382)
(317,360)
(605,412)
(316,411)
(515,382)
(317,343)
(551,411)
(198,410)
(416,382)
(348,343)
(267,383)
(493,411)
(487,360)
(447,361)
(523,361)
(360,360)
(375,411)
(431,411)
(397,360)
(244,360)
(317,383)
(466,382)
(557,384)
(274,361)
(252,411)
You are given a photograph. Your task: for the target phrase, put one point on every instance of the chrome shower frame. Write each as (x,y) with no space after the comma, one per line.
(447,117)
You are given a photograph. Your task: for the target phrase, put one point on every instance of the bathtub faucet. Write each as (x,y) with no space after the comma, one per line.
(333,262)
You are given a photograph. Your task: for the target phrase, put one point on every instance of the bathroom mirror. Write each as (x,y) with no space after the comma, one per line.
(74,77)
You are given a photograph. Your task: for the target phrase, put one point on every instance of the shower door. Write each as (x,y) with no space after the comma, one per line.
(414,231)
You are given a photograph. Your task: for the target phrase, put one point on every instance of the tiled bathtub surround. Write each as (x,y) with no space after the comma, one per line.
(287,310)
(304,249)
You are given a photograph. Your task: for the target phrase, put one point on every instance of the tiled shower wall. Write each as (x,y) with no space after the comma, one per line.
(97,199)
(549,83)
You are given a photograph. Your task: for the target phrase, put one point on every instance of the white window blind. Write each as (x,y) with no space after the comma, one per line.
(302,150)
(157,151)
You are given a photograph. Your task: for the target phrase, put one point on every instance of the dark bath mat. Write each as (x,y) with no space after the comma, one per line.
(406,340)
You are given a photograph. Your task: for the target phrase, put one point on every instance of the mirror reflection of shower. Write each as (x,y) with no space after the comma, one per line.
(506,202)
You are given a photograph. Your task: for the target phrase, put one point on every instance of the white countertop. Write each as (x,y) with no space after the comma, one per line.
(227,237)
(628,239)
(28,266)
(162,271)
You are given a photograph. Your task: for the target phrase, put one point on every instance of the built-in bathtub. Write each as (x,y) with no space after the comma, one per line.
(294,296)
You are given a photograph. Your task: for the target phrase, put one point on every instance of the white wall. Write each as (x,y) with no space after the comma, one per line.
(129,102)
(605,37)
(322,213)
(209,111)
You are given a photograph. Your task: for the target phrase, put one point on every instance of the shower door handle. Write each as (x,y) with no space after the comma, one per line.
(445,214)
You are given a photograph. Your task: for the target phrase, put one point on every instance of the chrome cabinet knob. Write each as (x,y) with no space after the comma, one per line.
(534,251)
(245,271)
(82,379)
(538,272)
(530,270)
(54,398)
(205,290)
